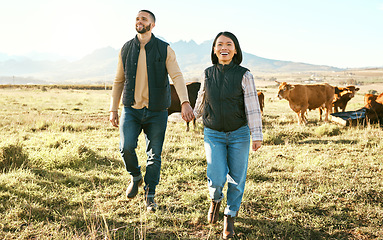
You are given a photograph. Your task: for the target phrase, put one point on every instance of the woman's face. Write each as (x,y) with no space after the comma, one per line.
(224,49)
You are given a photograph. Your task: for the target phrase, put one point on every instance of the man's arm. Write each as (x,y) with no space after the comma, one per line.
(118,86)
(179,84)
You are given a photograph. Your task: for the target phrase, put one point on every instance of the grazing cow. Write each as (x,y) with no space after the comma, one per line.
(175,106)
(261,100)
(307,96)
(374,107)
(342,96)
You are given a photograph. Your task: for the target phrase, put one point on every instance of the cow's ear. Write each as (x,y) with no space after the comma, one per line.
(290,87)
(357,89)
(337,90)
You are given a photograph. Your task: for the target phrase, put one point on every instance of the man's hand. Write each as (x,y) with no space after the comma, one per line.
(256,145)
(187,112)
(113,118)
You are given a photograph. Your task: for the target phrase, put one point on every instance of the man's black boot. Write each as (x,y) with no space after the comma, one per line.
(132,189)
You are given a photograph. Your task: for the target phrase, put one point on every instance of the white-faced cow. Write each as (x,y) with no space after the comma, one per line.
(175,106)
(342,96)
(303,97)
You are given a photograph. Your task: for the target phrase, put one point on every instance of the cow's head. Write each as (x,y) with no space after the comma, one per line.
(345,91)
(284,90)
(350,90)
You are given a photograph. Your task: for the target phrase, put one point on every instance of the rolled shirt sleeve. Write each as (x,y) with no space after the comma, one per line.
(253,111)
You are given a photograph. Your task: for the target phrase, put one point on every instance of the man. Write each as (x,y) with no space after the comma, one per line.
(142,79)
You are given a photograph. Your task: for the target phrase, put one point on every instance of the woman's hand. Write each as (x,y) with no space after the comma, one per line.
(256,145)
(187,112)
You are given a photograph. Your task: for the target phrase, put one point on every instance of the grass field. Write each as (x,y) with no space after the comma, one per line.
(62,176)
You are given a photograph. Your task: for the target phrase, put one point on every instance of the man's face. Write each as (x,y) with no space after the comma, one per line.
(144,22)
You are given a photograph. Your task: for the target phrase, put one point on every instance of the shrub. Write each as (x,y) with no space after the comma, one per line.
(282,136)
(327,130)
(12,156)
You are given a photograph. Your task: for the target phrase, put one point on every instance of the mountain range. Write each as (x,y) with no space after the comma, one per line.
(99,67)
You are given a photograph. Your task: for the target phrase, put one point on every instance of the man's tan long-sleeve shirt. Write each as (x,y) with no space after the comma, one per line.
(141,92)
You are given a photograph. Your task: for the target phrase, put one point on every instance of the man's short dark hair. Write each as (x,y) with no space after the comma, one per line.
(150,13)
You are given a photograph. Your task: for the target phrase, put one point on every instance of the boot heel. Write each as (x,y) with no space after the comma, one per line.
(228,227)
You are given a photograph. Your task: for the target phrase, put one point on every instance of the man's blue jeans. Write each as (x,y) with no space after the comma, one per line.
(153,123)
(227,155)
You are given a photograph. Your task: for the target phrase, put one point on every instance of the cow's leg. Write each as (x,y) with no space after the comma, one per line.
(299,117)
(304,118)
(187,126)
(303,114)
(328,111)
(343,107)
(335,108)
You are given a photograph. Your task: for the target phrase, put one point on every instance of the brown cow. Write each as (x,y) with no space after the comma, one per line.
(261,100)
(175,106)
(374,107)
(341,99)
(307,96)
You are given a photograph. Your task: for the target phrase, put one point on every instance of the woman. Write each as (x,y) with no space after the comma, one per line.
(228,103)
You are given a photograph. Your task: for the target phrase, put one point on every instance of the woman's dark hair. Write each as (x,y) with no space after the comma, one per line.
(150,13)
(237,58)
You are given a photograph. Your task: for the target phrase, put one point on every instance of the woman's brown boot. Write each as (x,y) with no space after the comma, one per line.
(228,227)
(212,216)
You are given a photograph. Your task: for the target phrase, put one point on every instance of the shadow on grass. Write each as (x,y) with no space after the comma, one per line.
(319,141)
(269,229)
(46,195)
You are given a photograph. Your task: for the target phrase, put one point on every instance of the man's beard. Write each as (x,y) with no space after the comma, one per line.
(144,29)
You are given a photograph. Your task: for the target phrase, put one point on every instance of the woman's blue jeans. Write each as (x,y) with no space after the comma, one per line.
(153,123)
(227,155)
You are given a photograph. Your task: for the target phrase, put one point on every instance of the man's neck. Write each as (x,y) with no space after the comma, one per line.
(144,38)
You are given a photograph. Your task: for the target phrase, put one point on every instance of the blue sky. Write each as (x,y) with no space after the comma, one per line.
(341,33)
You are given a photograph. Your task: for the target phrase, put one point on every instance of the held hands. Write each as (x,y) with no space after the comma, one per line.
(187,112)
(113,118)
(256,145)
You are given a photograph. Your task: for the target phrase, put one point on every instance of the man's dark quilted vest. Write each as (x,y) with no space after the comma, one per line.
(158,82)
(224,100)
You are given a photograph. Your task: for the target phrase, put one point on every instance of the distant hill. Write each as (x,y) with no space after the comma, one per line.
(100,66)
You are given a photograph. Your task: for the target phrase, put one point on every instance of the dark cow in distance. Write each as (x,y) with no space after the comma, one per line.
(303,97)
(261,100)
(175,106)
(342,96)
(374,107)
